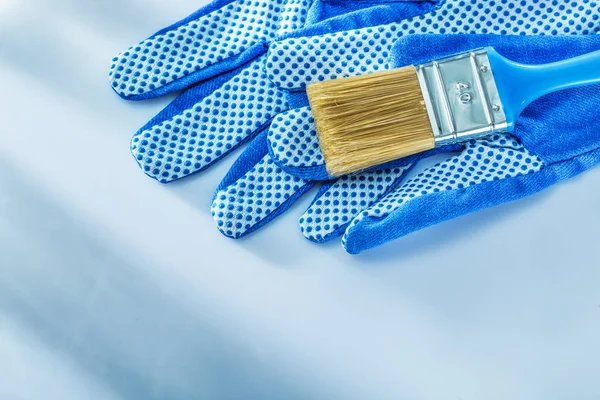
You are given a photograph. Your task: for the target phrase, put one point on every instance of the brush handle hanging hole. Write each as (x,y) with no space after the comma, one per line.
(466,98)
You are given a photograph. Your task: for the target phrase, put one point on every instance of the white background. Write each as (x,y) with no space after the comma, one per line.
(113,286)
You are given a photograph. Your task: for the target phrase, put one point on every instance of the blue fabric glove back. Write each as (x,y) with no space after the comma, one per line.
(218,53)
(557,137)
(253,194)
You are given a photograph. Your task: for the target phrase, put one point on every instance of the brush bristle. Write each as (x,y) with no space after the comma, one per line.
(370,119)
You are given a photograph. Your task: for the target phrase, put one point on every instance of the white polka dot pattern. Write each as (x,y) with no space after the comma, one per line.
(294,62)
(217,36)
(293,139)
(297,61)
(345,199)
(482,161)
(252,198)
(202,134)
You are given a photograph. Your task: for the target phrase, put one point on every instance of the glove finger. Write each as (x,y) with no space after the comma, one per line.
(294,147)
(484,174)
(294,144)
(354,14)
(337,203)
(254,192)
(295,62)
(207,122)
(215,39)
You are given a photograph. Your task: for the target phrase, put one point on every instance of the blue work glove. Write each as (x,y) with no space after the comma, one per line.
(217,54)
(284,163)
(556,138)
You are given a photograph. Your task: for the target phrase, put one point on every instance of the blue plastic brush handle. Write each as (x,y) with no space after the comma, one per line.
(520,84)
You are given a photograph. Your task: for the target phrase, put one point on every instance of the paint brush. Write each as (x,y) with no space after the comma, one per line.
(371,119)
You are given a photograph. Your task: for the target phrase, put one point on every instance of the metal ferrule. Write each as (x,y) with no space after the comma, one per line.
(461,97)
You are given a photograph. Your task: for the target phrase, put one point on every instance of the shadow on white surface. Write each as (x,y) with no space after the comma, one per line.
(62,52)
(442,236)
(100,312)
